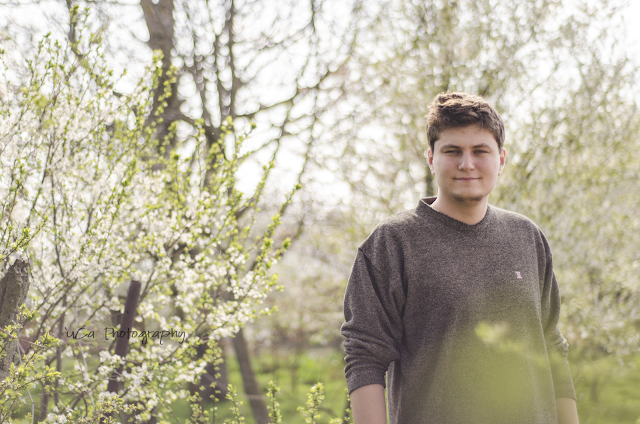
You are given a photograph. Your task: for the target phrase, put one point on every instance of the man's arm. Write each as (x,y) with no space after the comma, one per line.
(567,411)
(368,406)
(373,323)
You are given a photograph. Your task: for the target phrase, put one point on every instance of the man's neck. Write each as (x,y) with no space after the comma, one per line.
(468,212)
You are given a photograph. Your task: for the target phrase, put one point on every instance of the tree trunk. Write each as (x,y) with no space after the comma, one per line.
(251,387)
(56,394)
(222,382)
(429,180)
(13,292)
(160,23)
(44,405)
(209,377)
(594,390)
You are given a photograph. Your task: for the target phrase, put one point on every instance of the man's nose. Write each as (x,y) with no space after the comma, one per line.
(466,162)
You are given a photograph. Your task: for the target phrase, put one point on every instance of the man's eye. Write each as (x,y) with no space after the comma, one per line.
(481,151)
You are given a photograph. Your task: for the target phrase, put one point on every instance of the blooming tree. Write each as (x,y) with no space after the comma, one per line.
(93,200)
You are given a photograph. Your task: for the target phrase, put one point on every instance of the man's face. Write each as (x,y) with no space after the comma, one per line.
(466,163)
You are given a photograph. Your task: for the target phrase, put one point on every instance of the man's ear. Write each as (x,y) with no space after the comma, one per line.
(503,159)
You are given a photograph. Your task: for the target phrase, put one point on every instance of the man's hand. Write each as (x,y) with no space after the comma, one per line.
(567,411)
(368,406)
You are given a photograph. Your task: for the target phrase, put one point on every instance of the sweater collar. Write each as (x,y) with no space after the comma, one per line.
(424,209)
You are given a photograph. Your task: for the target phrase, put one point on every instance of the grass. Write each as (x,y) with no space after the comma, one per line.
(607,392)
(314,366)
(616,399)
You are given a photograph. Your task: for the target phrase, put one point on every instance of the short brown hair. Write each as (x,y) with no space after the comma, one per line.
(456,110)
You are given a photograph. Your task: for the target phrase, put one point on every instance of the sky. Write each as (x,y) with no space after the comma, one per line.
(633,14)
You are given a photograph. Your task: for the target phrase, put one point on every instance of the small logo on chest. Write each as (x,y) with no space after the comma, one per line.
(518,275)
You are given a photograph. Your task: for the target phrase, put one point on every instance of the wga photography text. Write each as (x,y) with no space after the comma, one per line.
(111,333)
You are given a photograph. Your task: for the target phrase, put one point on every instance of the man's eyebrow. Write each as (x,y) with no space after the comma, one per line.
(453,146)
(449,146)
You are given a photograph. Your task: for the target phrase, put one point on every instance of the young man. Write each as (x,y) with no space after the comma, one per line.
(456,301)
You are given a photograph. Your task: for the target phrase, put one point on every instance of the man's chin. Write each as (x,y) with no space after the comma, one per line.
(468,199)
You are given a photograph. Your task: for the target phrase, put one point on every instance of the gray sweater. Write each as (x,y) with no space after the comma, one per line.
(462,318)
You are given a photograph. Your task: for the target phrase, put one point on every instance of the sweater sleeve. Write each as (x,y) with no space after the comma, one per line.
(557,345)
(373,324)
